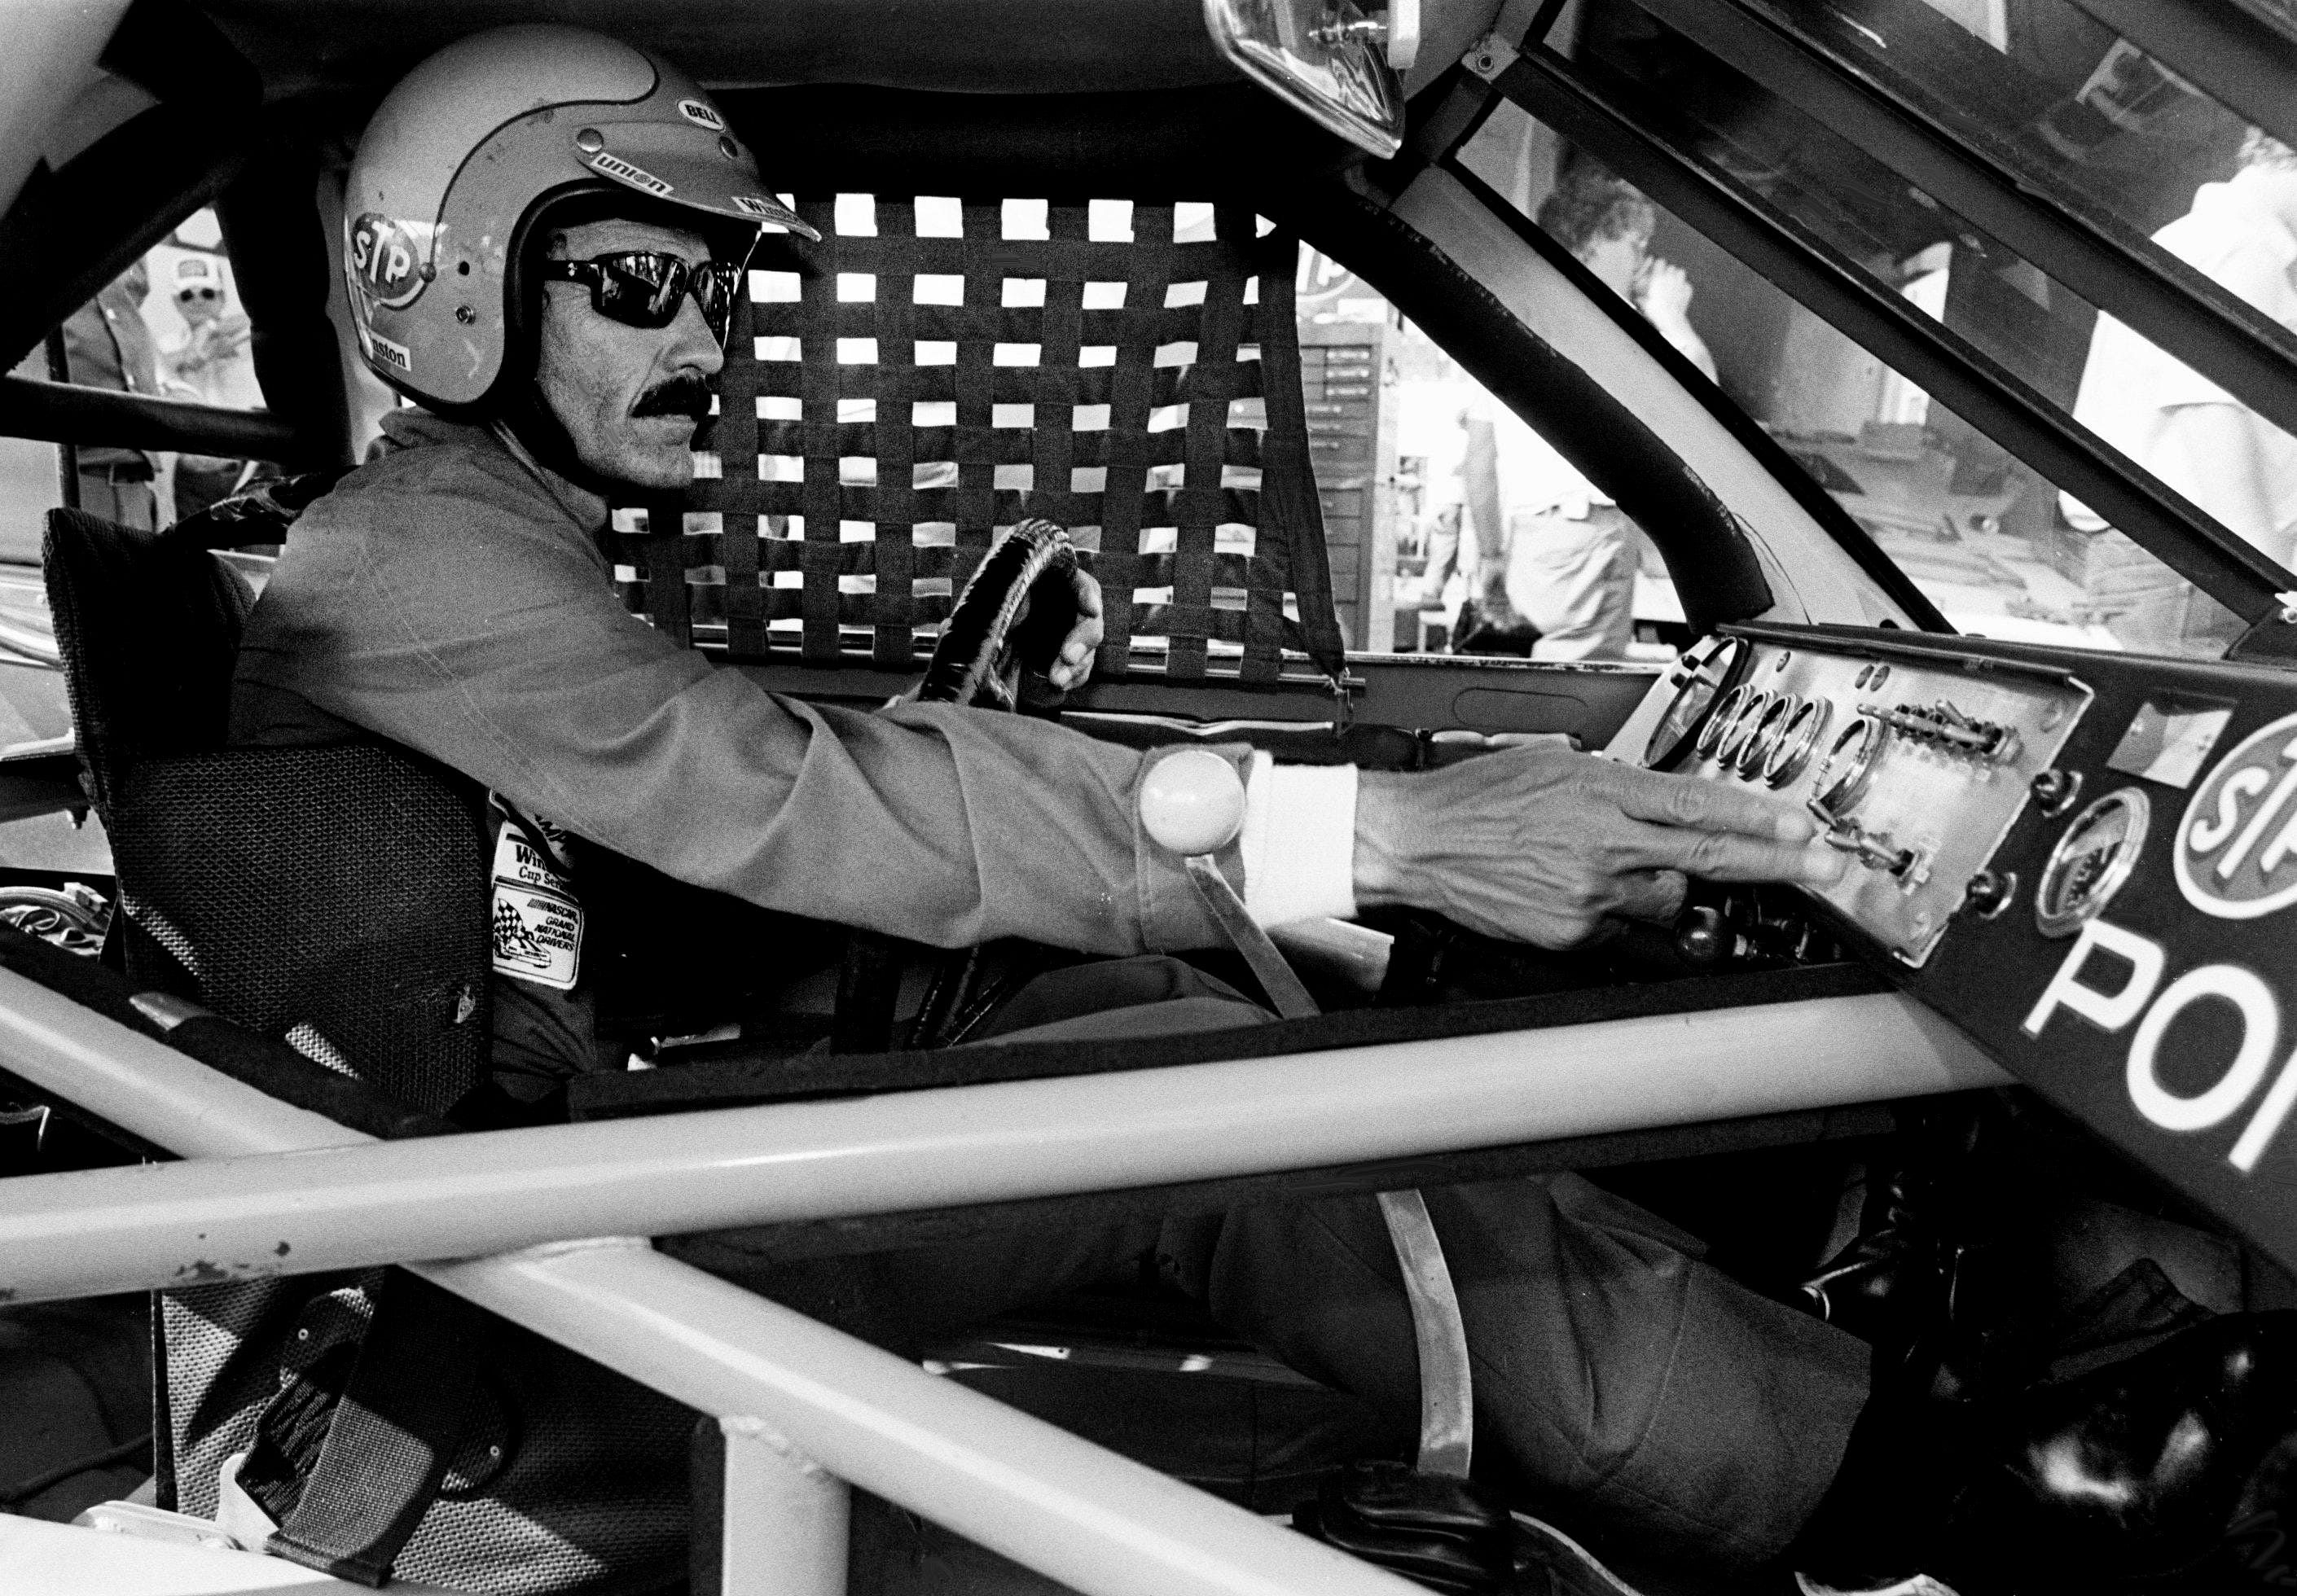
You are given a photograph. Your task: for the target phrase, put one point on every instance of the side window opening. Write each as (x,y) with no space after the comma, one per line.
(1452,527)
(171,327)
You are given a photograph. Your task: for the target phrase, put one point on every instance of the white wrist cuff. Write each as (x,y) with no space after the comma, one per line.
(1299,840)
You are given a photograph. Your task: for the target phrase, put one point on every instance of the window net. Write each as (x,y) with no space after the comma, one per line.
(899,396)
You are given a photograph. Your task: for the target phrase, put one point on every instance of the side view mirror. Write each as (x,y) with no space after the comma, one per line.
(1325,58)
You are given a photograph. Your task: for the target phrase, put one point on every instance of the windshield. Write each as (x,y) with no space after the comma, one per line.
(1991,538)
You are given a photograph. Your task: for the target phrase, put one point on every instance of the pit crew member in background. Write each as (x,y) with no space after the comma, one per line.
(453,596)
(107,345)
(212,366)
(2184,428)
(1556,560)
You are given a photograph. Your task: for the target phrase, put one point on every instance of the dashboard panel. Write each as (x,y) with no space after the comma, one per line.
(2088,863)
(1915,768)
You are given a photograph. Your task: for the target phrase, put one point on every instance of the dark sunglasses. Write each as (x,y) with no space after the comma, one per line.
(195,293)
(642,288)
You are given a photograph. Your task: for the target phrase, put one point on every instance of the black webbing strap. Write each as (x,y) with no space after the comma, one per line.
(936,370)
(385,1448)
(731,1075)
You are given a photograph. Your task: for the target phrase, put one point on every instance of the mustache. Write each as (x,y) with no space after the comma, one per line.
(685,394)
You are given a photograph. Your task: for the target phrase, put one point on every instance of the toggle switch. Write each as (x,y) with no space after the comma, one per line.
(1872,849)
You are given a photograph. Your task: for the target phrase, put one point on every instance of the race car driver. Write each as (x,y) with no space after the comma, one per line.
(544,235)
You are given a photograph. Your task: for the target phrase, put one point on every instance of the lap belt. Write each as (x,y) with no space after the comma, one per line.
(1193,803)
(348,1486)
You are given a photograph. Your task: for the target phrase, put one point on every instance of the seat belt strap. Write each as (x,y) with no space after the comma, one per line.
(402,1415)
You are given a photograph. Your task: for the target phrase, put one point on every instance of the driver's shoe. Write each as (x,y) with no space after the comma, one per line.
(2172,1473)
(1450,1534)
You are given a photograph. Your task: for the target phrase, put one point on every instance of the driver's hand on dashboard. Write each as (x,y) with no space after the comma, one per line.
(1541,845)
(1074,662)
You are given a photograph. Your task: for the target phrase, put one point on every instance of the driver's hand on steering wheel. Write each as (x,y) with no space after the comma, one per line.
(1537,845)
(1073,663)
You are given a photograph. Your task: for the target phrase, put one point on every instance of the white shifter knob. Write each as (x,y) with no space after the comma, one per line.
(1193,801)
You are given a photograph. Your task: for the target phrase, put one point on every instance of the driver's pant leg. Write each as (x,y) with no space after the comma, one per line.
(1644,1393)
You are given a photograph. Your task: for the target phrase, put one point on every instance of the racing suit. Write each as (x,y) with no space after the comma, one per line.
(456,598)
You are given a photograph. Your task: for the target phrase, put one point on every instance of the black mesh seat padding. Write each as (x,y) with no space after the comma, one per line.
(934,371)
(333,898)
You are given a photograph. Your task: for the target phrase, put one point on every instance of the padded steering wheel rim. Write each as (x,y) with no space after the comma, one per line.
(970,661)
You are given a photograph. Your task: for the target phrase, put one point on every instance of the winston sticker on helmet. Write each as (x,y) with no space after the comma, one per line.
(2236,849)
(391,354)
(758,207)
(695,111)
(386,260)
(637,177)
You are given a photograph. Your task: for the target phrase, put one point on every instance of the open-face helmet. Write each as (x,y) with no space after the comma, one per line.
(469,151)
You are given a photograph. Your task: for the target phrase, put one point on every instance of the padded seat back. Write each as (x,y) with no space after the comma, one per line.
(332,898)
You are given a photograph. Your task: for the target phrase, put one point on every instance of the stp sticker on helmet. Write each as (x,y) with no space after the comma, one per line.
(385,261)
(637,176)
(698,111)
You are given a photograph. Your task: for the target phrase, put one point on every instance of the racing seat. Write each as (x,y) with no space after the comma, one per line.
(238,891)
(330,898)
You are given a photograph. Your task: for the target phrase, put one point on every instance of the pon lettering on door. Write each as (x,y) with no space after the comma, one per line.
(2084,984)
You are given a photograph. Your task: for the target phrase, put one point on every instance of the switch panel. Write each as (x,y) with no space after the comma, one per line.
(1914,768)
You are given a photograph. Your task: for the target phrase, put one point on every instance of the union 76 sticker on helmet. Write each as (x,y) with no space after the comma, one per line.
(2236,854)
(637,177)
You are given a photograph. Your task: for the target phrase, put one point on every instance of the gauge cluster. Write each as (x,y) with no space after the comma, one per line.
(1914,768)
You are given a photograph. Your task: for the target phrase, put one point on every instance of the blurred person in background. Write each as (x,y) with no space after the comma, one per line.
(2198,439)
(211,364)
(1555,559)
(107,345)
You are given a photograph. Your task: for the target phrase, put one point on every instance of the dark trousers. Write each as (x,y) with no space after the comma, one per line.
(1624,1387)
(127,501)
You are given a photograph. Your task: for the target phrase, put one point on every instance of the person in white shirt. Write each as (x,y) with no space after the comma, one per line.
(1555,556)
(212,366)
(2182,427)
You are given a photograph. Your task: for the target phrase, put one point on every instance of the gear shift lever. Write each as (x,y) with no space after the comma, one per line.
(1192,803)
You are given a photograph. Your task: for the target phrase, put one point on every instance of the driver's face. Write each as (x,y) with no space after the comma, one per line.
(609,384)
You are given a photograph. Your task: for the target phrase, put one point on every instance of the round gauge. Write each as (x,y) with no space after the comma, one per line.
(1742,729)
(2092,859)
(1797,740)
(1687,716)
(1842,779)
(1765,734)
(1718,724)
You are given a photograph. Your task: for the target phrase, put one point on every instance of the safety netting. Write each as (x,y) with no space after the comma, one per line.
(897,397)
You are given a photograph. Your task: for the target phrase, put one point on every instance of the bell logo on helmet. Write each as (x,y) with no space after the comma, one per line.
(699,111)
(637,177)
(385,261)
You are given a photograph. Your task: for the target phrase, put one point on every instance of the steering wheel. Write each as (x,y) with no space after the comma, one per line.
(1016,611)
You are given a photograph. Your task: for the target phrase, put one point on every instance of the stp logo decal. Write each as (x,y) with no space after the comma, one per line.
(697,111)
(385,261)
(2236,848)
